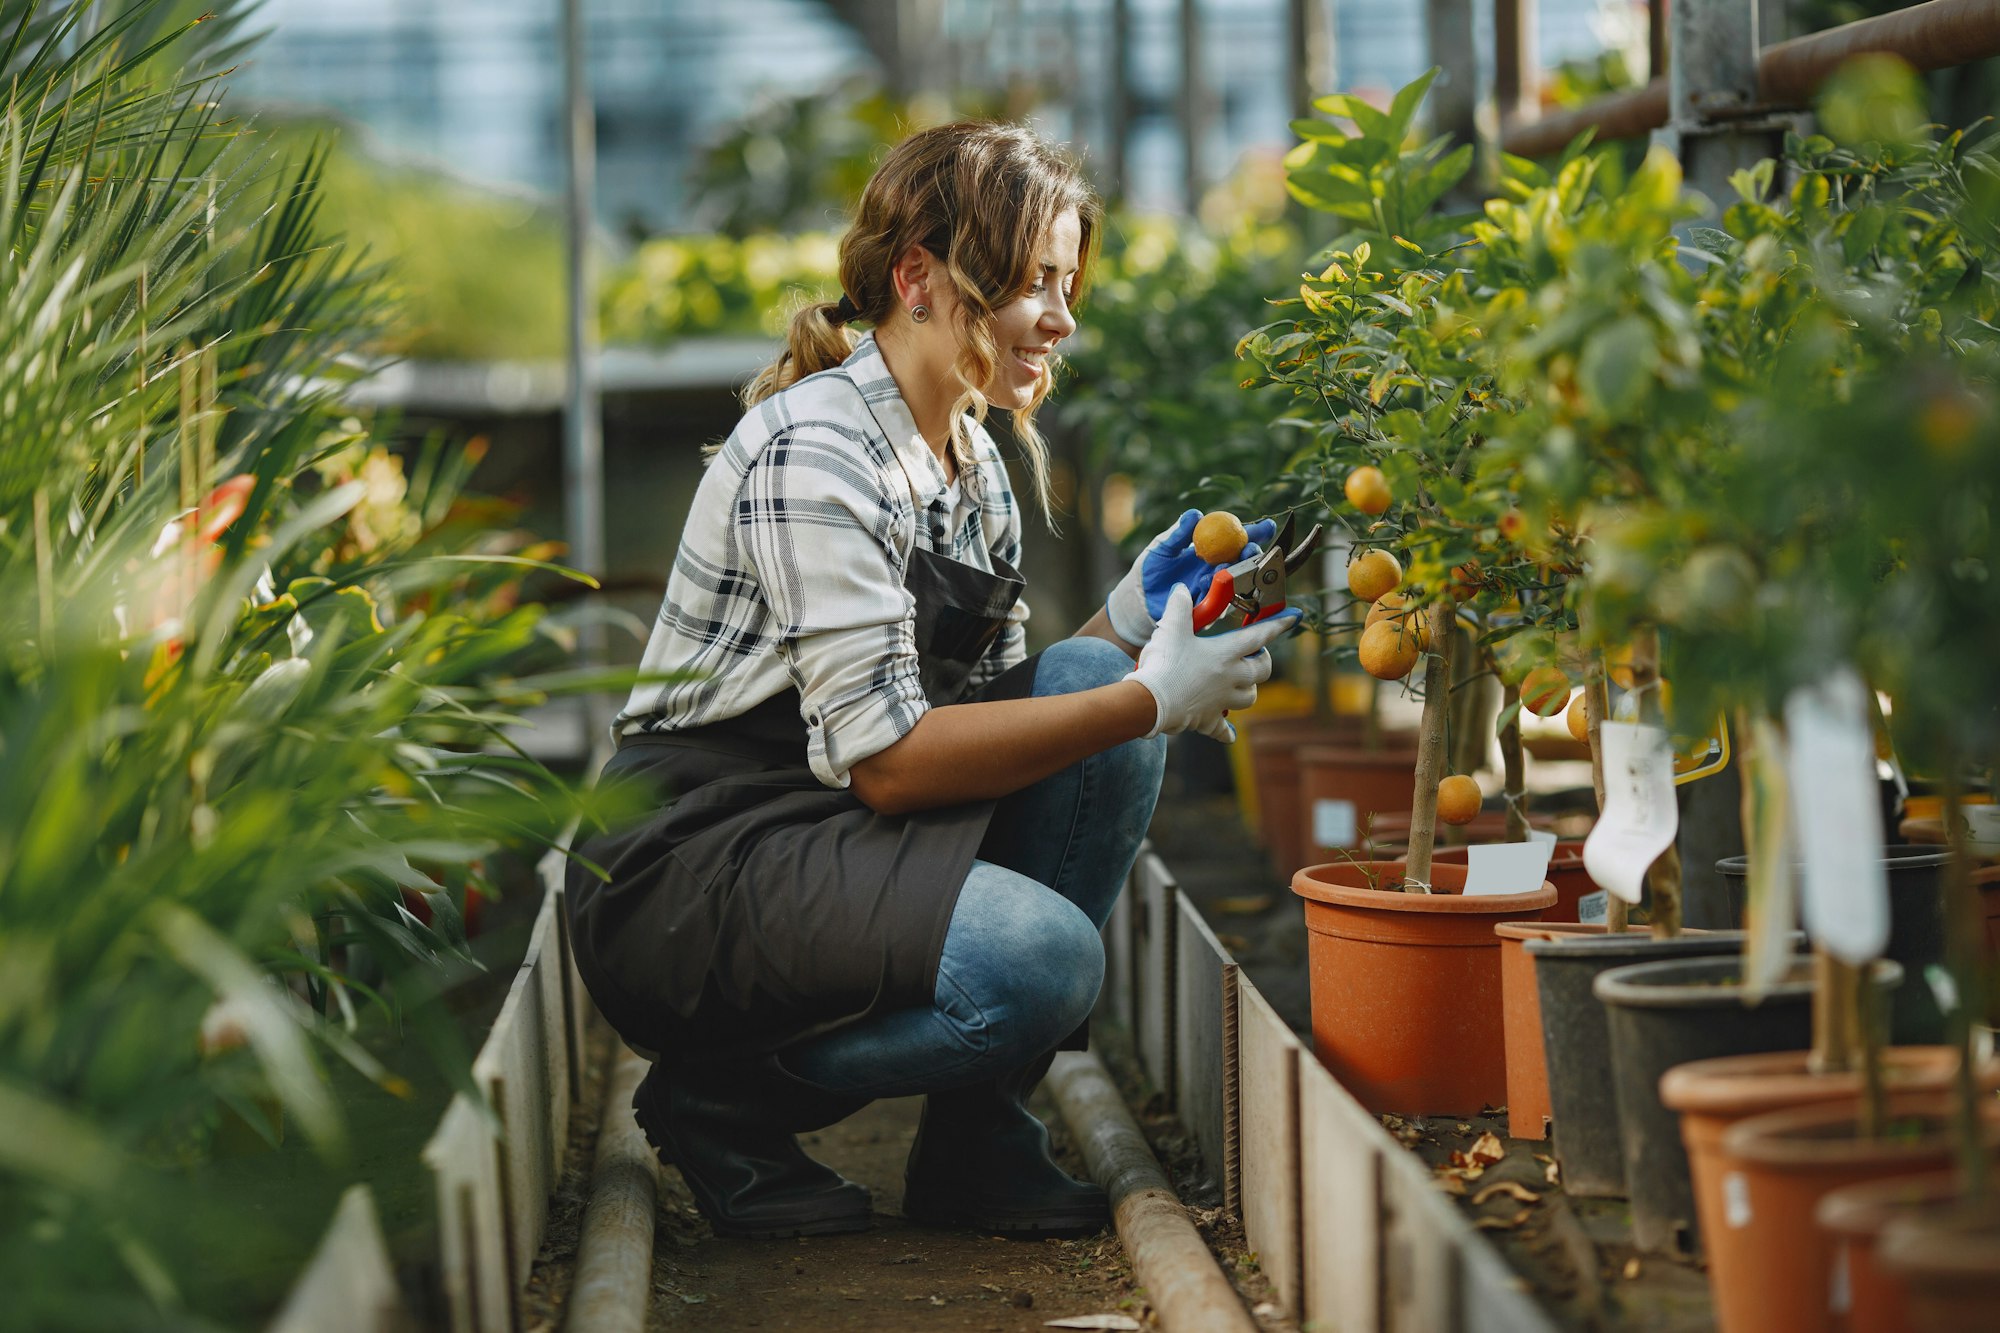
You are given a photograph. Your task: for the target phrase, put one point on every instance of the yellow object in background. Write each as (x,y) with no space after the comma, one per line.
(1275,699)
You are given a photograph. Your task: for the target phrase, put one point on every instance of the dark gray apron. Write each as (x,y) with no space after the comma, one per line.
(756,906)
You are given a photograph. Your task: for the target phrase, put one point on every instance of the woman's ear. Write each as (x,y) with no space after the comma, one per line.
(913,275)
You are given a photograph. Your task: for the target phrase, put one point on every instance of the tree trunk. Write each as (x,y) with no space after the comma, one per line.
(1962,934)
(1430,749)
(1513,783)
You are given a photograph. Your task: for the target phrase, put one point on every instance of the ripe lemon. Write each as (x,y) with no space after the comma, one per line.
(1388,651)
(1373,573)
(1458,800)
(1368,490)
(1578,717)
(1544,691)
(1219,538)
(1394,607)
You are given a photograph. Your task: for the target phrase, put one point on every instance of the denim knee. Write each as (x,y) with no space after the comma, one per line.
(1074,665)
(1026,962)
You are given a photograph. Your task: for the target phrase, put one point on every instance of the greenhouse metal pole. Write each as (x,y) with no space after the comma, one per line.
(1119,122)
(1712,93)
(1516,60)
(1194,105)
(583,432)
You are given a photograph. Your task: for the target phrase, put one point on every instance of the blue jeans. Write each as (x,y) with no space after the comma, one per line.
(1022,958)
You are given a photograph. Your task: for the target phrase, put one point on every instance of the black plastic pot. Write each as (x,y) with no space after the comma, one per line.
(1577,1045)
(1916,933)
(1666,1014)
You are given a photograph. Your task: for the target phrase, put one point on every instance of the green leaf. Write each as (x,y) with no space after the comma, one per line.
(1617,364)
(1403,110)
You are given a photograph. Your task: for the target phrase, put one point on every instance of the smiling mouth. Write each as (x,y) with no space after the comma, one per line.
(1033,360)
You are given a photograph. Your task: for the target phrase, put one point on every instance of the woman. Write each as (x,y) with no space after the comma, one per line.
(882,841)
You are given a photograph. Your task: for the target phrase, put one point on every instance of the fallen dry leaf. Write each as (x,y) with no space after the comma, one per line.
(1246,905)
(1552,1173)
(1266,1310)
(1513,1190)
(1502,1223)
(1450,1183)
(1118,1323)
(1487,1149)
(1632,1268)
(1464,1128)
(1466,1166)
(994,1287)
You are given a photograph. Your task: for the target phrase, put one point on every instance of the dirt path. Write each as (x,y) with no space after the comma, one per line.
(897,1276)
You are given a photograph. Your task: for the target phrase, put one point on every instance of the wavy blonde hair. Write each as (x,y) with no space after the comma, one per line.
(980,197)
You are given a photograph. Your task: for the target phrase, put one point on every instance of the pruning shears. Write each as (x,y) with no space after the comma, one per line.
(1256,587)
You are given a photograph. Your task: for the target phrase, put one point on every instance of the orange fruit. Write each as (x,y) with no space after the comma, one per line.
(1219,538)
(1512,524)
(1388,651)
(1544,691)
(1394,607)
(1368,490)
(1578,717)
(1458,800)
(1466,580)
(1373,573)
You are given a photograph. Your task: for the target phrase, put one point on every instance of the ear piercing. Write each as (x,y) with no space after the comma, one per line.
(920,313)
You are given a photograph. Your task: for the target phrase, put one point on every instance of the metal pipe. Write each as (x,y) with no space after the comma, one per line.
(1454,100)
(1119,100)
(614,1262)
(1936,35)
(1516,64)
(583,431)
(1173,1263)
(1194,105)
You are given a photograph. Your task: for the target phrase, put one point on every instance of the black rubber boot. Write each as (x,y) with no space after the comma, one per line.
(981,1160)
(730,1128)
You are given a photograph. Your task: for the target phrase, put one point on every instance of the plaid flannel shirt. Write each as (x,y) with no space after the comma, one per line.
(790,571)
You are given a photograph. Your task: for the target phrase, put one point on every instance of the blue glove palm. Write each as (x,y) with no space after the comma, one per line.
(1169,561)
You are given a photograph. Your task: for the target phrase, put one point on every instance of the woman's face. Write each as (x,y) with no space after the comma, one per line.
(1027,328)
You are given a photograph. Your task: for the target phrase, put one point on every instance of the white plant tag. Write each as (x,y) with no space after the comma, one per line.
(1735,1200)
(1770,911)
(1506,867)
(1546,835)
(1593,906)
(1837,816)
(1640,818)
(1334,824)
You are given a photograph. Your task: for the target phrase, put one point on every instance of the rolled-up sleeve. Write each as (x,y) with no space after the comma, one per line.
(821,536)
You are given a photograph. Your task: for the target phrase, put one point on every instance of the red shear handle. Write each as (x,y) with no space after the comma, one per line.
(1210,608)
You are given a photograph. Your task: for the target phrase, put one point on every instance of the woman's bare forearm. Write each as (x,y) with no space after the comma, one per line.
(980,751)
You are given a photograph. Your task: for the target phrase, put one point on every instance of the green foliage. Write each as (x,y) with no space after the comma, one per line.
(252,674)
(474,273)
(677,286)
(1152,381)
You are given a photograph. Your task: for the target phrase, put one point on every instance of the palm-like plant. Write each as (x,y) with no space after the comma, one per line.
(236,732)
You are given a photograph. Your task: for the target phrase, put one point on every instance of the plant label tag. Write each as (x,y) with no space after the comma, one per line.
(1506,867)
(1736,1200)
(1640,817)
(1334,824)
(1593,906)
(1543,835)
(1837,816)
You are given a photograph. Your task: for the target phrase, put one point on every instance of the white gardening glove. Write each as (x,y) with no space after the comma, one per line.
(1196,680)
(1169,562)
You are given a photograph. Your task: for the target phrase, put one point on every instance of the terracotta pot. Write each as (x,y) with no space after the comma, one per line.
(1274,763)
(1406,986)
(1342,787)
(1864,1295)
(1950,1262)
(1775,1170)
(1521,1017)
(1566,872)
(1712,1095)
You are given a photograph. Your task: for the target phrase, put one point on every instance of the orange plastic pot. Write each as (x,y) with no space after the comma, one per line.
(1521,1018)
(1565,871)
(1342,788)
(1274,762)
(1713,1095)
(1865,1295)
(1775,1170)
(1950,1262)
(1406,1003)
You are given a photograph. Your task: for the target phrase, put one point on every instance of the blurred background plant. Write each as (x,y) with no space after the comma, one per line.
(257,675)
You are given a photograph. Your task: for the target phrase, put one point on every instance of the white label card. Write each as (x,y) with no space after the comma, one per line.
(1506,867)
(1546,835)
(1837,816)
(1640,817)
(1593,906)
(1334,824)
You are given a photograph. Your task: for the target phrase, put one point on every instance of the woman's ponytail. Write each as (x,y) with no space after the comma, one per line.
(813,342)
